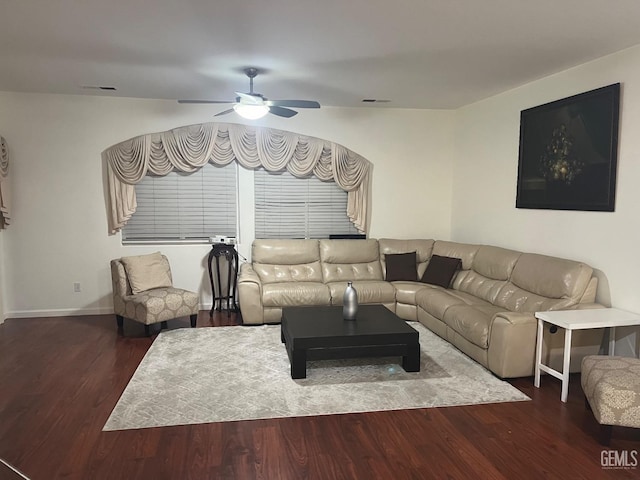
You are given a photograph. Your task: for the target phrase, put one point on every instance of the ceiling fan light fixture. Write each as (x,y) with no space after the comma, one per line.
(251,112)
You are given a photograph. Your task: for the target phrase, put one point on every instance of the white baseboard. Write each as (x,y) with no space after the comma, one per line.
(69,312)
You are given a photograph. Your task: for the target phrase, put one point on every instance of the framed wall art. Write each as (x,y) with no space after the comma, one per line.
(568,152)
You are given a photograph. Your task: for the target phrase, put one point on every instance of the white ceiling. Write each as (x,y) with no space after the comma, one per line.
(416,53)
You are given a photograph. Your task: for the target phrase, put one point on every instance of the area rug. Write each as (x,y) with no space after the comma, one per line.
(224,374)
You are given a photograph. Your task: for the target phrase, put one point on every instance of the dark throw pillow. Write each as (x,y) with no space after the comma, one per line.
(441,270)
(401,266)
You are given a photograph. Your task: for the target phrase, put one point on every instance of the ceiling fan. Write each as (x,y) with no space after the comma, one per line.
(255,105)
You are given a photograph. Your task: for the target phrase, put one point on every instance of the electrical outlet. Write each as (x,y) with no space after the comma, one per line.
(76,287)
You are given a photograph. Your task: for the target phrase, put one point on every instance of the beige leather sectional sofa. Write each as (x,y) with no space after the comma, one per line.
(487,311)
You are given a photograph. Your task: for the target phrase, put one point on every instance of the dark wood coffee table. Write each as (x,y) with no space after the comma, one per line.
(320,333)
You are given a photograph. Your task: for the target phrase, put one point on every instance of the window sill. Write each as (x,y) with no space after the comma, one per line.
(166,242)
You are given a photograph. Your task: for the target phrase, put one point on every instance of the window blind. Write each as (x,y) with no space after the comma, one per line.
(185,206)
(292,207)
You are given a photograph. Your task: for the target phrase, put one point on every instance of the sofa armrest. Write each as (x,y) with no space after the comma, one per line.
(250,295)
(248,274)
(512,344)
(516,318)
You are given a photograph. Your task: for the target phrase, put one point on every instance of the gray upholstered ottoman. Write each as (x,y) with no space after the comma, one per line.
(612,388)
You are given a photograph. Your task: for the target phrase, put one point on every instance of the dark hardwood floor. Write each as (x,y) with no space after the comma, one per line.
(61,377)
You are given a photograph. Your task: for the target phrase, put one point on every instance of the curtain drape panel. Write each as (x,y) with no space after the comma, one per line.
(189,148)
(4,184)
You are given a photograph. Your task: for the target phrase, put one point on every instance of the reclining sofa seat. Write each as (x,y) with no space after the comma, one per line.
(356,261)
(284,273)
(487,312)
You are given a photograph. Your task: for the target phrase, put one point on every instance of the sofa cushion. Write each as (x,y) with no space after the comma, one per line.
(146,272)
(285,251)
(464,251)
(289,294)
(495,262)
(515,299)
(306,272)
(349,251)
(369,291)
(423,249)
(489,272)
(406,291)
(284,260)
(435,300)
(350,260)
(441,270)
(473,322)
(401,266)
(551,277)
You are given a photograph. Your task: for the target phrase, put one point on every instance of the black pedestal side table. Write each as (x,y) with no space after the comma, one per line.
(231,255)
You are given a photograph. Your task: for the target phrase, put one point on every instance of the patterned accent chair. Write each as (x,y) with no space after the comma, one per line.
(154,305)
(612,389)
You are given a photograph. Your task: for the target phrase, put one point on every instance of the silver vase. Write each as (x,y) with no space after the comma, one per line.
(350,302)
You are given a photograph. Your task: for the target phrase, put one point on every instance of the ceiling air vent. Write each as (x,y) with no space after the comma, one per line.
(374,100)
(98,87)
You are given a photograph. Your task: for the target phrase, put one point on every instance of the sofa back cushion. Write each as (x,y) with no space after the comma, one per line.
(146,272)
(539,282)
(345,260)
(276,260)
(464,251)
(550,276)
(490,271)
(423,249)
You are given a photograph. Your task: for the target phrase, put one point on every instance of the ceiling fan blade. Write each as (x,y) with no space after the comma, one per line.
(206,101)
(293,103)
(282,112)
(250,99)
(224,112)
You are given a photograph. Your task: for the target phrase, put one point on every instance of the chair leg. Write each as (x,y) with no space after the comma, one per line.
(193,318)
(119,321)
(147,332)
(605,434)
(163,325)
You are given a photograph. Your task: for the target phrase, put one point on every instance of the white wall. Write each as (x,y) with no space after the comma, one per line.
(485,173)
(58,234)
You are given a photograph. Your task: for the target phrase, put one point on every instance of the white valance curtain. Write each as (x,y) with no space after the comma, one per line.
(4,194)
(189,148)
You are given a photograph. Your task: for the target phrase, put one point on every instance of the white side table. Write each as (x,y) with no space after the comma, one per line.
(578,320)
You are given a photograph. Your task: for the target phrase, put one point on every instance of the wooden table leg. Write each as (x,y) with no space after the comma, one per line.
(411,361)
(298,363)
(536,381)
